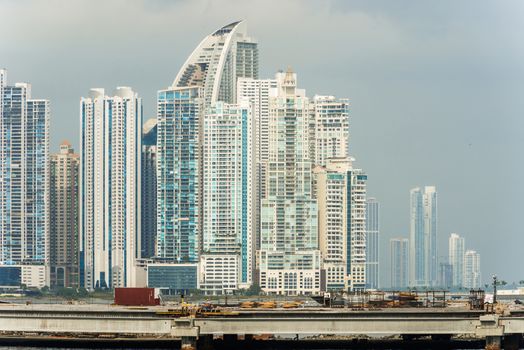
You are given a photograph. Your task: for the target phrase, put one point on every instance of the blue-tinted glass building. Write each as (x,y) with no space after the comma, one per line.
(178,179)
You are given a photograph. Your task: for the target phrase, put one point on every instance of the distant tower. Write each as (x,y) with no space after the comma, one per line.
(149,203)
(372,243)
(457,247)
(110,187)
(24,183)
(472,276)
(63,200)
(399,252)
(423,237)
(445,275)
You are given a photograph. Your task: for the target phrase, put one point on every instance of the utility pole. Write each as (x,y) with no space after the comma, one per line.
(495,282)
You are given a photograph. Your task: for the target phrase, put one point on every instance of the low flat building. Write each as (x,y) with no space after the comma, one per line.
(31,276)
(219,274)
(173,278)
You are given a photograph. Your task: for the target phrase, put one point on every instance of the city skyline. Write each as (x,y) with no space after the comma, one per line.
(466,222)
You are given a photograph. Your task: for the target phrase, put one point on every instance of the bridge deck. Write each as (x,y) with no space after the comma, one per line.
(104,319)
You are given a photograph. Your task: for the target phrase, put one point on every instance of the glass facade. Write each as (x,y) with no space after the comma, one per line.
(423,237)
(178,172)
(228,194)
(176,278)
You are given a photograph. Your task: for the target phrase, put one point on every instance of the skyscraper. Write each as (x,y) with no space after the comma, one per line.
(330,131)
(148,205)
(209,75)
(228,195)
(63,201)
(341,197)
(472,276)
(178,172)
(257,91)
(399,253)
(110,187)
(222,57)
(445,279)
(289,257)
(372,243)
(423,237)
(24,185)
(457,247)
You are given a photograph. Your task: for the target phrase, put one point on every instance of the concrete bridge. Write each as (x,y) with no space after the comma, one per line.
(81,320)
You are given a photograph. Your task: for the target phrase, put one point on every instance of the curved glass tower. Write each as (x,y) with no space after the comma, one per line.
(217,62)
(209,75)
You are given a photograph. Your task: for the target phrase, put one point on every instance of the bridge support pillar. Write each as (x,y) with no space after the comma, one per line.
(511,341)
(189,343)
(493,343)
(230,338)
(205,342)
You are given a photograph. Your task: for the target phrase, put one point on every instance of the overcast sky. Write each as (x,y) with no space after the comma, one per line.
(437,89)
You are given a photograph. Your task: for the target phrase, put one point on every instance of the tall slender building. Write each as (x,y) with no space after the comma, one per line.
(24,185)
(178,175)
(257,92)
(399,253)
(228,194)
(472,277)
(457,248)
(209,75)
(372,243)
(148,205)
(63,201)
(341,197)
(329,134)
(423,237)
(289,259)
(110,187)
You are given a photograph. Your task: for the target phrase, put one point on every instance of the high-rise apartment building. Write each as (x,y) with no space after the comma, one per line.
(63,202)
(372,243)
(149,204)
(341,197)
(457,248)
(289,259)
(110,187)
(329,132)
(24,185)
(228,195)
(178,175)
(399,254)
(257,92)
(423,237)
(472,277)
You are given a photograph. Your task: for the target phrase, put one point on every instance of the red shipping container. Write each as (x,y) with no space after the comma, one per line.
(136,297)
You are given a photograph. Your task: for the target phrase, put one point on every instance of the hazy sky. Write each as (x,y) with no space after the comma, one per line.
(437,89)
